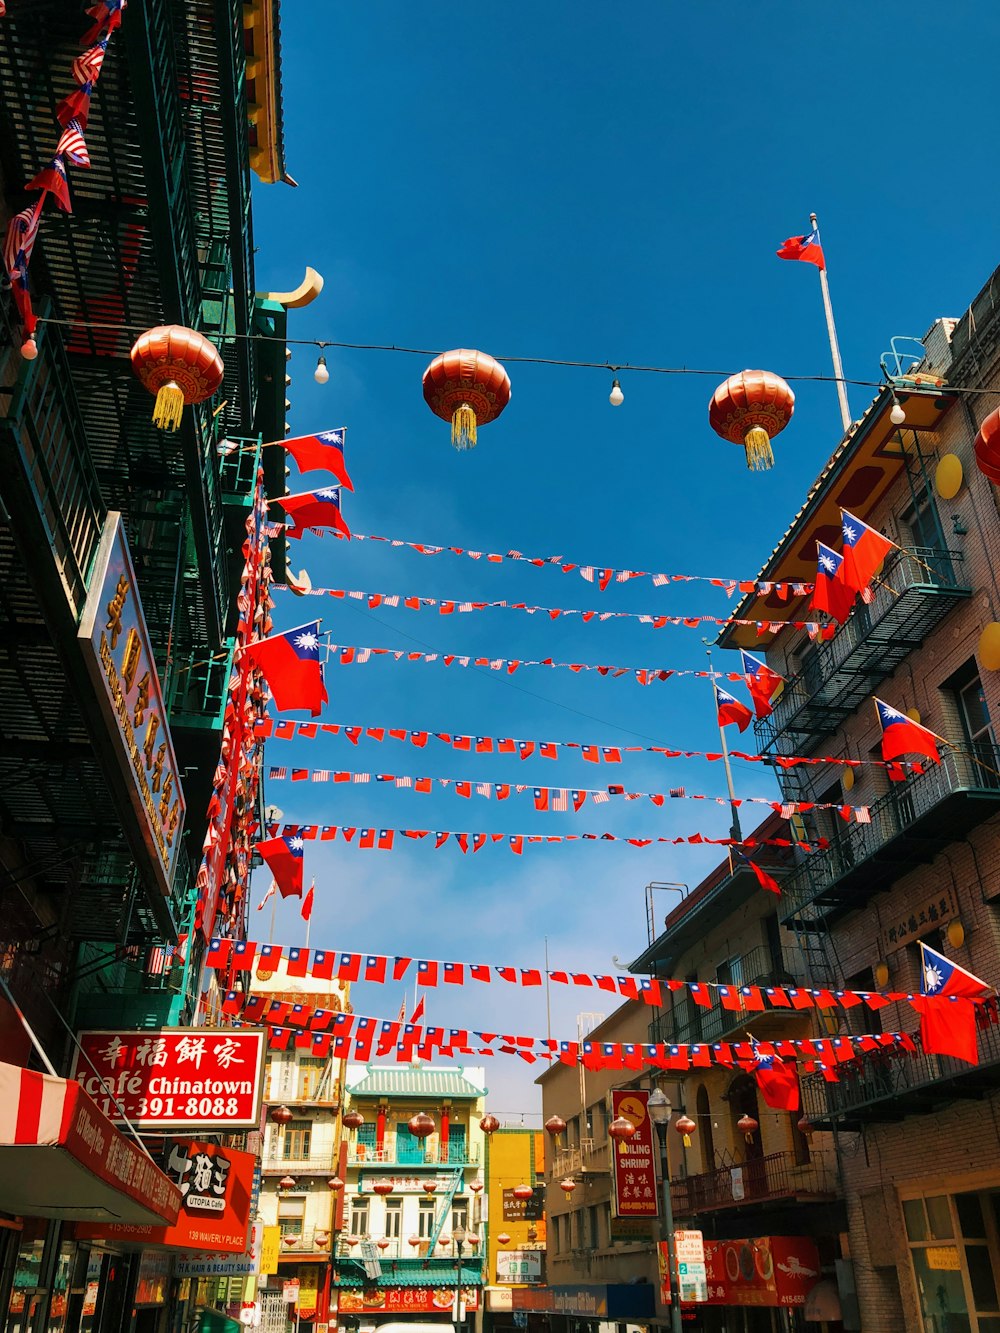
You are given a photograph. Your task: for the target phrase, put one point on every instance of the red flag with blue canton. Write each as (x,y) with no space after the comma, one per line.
(290,661)
(314,509)
(864,551)
(761,682)
(325,450)
(830,594)
(778,1082)
(731,710)
(940,976)
(901,735)
(284,860)
(804,247)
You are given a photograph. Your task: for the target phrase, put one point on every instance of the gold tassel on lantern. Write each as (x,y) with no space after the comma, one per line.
(757,444)
(463,427)
(168,407)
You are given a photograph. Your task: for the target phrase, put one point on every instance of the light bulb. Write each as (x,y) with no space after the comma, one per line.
(288,354)
(616,397)
(897,416)
(321,375)
(29,349)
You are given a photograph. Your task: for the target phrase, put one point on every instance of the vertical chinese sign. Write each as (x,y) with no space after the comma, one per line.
(633,1171)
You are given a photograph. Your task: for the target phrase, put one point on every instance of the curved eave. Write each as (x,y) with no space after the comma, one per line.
(261,29)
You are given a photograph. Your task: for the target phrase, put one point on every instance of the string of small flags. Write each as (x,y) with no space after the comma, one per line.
(602,576)
(452,606)
(346,655)
(385,969)
(384,839)
(557,799)
(287,730)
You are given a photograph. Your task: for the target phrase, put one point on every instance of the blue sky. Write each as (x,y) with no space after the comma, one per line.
(582,184)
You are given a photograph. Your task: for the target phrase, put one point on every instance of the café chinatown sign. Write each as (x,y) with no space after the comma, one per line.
(175,1078)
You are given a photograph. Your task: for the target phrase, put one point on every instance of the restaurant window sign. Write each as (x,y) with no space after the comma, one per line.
(118,656)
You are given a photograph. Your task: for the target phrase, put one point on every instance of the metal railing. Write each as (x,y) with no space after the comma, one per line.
(915,591)
(691,1023)
(391,1154)
(315,1164)
(314,1240)
(776,1176)
(972,770)
(587,1155)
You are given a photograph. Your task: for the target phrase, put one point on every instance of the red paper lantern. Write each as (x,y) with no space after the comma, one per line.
(353,1120)
(987,448)
(444,1240)
(420,1125)
(384,1243)
(503,1238)
(473,1240)
(555,1125)
(476,1186)
(180,366)
(286,1182)
(567,1186)
(805,1126)
(685,1127)
(429,1186)
(522,1192)
(750,409)
(621,1129)
(748,1127)
(351,1241)
(489,1124)
(383,1187)
(413,1240)
(468,389)
(335,1183)
(281,1115)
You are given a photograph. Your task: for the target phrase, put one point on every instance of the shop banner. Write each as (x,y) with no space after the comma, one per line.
(516,1266)
(524,1210)
(175,1078)
(308,1291)
(634,1170)
(270,1249)
(406,1300)
(762,1271)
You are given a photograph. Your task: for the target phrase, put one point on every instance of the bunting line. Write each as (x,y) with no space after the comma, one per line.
(558,799)
(287,730)
(348,654)
(451,606)
(602,576)
(383,839)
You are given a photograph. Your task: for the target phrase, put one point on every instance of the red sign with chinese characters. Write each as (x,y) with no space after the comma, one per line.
(175,1078)
(217,1186)
(634,1170)
(408,1300)
(764,1270)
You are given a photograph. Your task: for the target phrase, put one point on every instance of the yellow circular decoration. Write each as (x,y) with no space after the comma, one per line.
(847,781)
(989,647)
(913,714)
(955,933)
(948,476)
(881,974)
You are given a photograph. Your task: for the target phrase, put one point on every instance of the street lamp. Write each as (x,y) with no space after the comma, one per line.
(659,1109)
(459,1235)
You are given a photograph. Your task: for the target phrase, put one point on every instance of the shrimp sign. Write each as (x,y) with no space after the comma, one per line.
(175,1078)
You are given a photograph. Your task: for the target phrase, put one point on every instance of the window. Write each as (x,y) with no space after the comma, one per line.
(393,1219)
(409,1148)
(311,1073)
(460,1216)
(297,1137)
(731,973)
(425,1219)
(598,1117)
(954,1243)
(703,1115)
(290,1218)
(593,1228)
(359,1217)
(573,1132)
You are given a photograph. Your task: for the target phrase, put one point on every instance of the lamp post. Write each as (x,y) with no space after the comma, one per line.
(659,1109)
(459,1235)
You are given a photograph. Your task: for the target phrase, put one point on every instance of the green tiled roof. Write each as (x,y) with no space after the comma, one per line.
(379,1082)
(348,1275)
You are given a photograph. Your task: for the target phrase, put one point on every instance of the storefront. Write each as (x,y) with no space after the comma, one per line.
(357,1307)
(589,1308)
(760,1284)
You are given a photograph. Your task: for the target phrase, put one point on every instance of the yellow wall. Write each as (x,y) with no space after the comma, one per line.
(513,1157)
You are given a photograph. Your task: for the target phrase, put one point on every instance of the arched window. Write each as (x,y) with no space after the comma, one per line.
(703,1115)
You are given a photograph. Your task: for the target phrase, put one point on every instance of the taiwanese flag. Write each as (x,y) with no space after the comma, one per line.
(778,1082)
(283,857)
(901,735)
(290,661)
(765,880)
(731,710)
(761,682)
(947,1026)
(326,451)
(804,247)
(940,976)
(864,551)
(314,509)
(830,593)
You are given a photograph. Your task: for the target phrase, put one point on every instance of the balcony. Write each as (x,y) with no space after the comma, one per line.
(412,1154)
(585,1157)
(771,1179)
(313,1243)
(883,1088)
(689,1023)
(918,588)
(909,825)
(316,1164)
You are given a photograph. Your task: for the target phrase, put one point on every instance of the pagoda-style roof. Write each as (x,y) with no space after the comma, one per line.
(419,1083)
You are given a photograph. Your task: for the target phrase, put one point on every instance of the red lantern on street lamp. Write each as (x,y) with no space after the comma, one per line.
(621,1129)
(489,1124)
(281,1115)
(748,1127)
(555,1125)
(383,1187)
(353,1120)
(420,1125)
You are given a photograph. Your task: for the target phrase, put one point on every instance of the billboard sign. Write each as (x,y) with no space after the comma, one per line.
(175,1078)
(633,1171)
(517,1266)
(762,1270)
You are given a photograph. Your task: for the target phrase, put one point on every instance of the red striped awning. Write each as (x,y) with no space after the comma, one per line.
(60,1156)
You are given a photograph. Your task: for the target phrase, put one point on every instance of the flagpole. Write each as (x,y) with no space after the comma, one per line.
(312,889)
(735,832)
(548,997)
(274,908)
(831,328)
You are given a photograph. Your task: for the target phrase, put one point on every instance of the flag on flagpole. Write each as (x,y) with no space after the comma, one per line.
(830,594)
(270,894)
(778,1081)
(804,247)
(323,451)
(283,857)
(901,735)
(418,1011)
(314,509)
(731,710)
(762,682)
(940,976)
(290,661)
(307,902)
(864,551)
